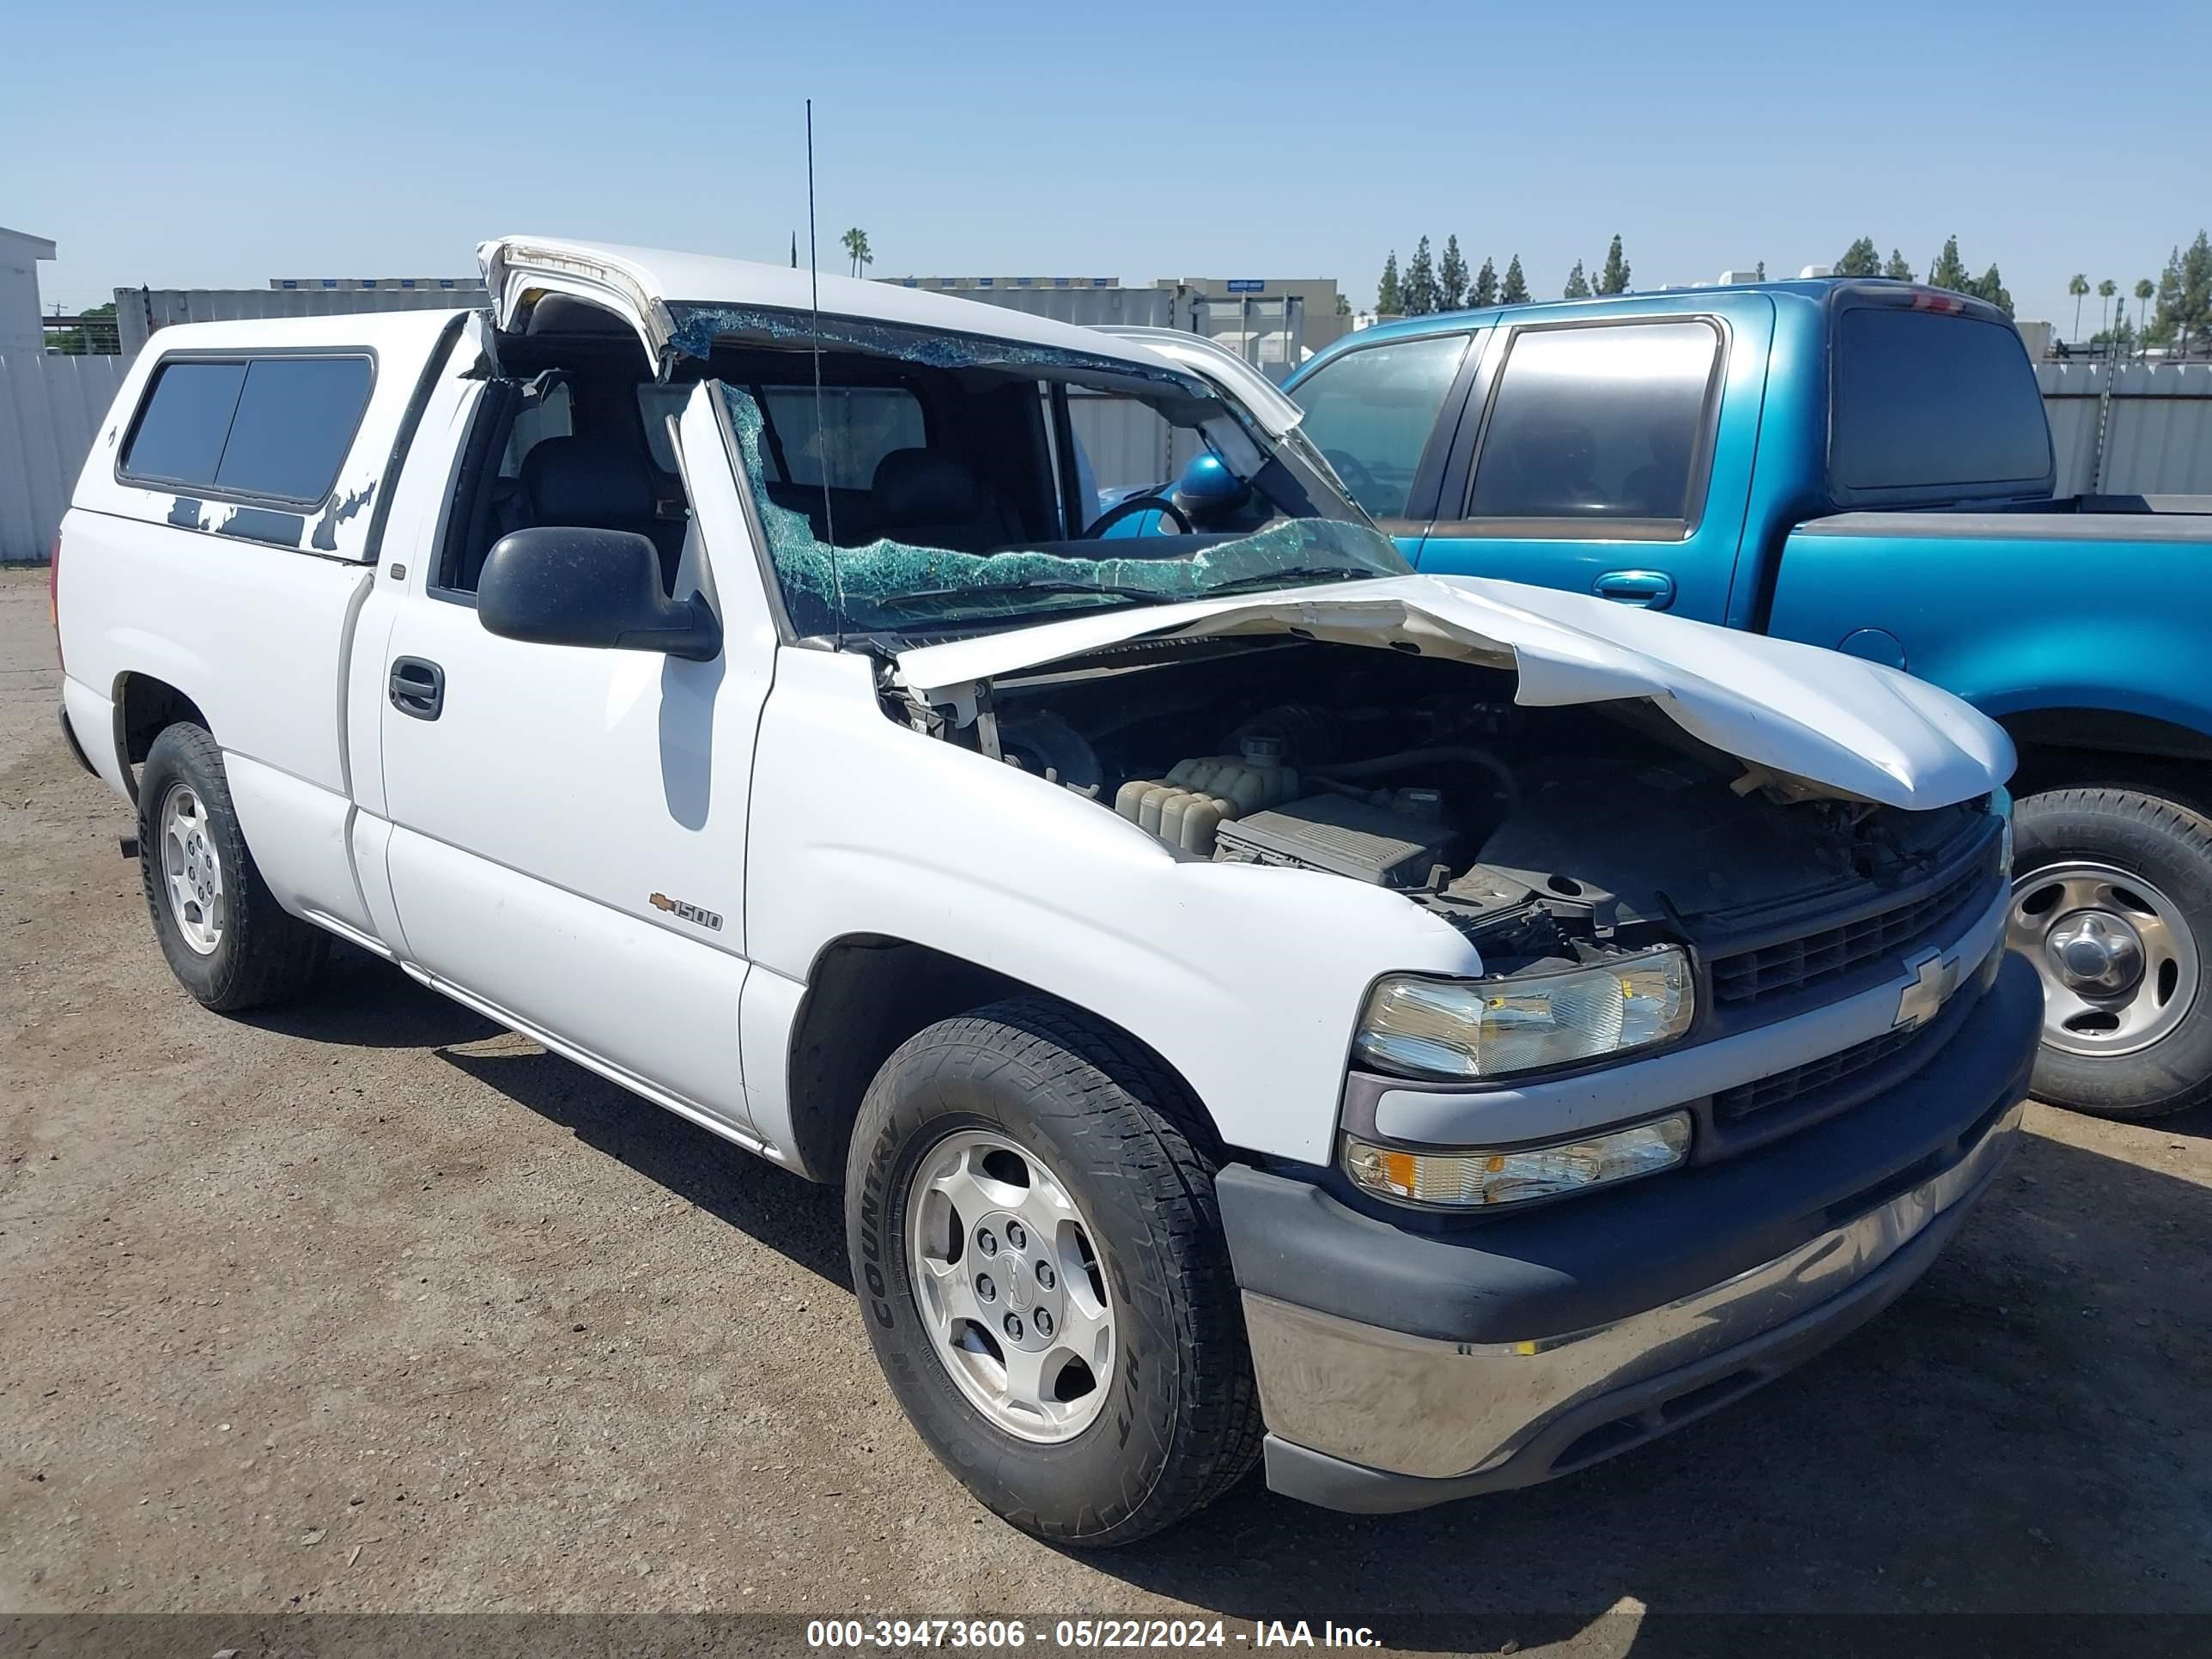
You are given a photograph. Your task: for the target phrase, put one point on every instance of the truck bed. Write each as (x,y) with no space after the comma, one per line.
(2062,518)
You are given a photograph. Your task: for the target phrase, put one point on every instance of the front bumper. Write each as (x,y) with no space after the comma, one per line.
(1530,1345)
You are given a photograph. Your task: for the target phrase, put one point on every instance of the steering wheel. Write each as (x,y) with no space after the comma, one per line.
(1136,504)
(1356,478)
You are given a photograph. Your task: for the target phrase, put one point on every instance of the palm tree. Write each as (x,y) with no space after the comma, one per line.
(2143,292)
(2106,289)
(856,249)
(2077,285)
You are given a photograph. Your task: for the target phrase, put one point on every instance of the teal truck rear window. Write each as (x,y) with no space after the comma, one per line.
(1926,400)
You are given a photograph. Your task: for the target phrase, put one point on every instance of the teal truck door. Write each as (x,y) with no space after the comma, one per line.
(1607,456)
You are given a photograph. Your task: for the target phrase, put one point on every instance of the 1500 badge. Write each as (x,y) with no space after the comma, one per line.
(684,912)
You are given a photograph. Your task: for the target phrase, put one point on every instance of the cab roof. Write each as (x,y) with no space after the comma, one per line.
(1817,289)
(650,281)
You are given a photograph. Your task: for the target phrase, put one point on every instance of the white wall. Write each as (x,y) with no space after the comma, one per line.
(51,408)
(2159,440)
(19,292)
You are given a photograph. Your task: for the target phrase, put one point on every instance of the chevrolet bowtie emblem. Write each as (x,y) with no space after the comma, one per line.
(1934,979)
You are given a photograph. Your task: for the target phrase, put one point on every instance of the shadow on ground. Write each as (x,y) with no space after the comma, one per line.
(2027,1430)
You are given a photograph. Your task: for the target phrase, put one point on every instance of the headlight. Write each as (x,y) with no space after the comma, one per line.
(1490,1028)
(1478,1178)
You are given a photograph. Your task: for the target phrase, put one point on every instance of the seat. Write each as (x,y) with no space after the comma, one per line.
(930,498)
(600,486)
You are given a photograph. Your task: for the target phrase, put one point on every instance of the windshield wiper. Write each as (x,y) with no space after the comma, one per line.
(1000,590)
(1329,572)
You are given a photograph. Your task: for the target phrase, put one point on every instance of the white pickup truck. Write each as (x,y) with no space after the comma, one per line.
(1442,1031)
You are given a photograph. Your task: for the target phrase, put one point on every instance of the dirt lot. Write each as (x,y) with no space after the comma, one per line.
(368,1305)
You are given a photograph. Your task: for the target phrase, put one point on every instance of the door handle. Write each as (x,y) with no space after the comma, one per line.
(419,687)
(1648,589)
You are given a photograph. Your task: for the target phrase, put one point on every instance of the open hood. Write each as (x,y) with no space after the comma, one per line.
(1849,728)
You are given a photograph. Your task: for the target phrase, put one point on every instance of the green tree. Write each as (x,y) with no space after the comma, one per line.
(1897,269)
(1948,270)
(1451,276)
(1513,291)
(1389,297)
(2144,289)
(1614,279)
(2196,291)
(1989,286)
(2078,286)
(856,249)
(2106,290)
(1343,306)
(1859,259)
(1421,282)
(1486,286)
(1579,286)
(1759,274)
(2184,296)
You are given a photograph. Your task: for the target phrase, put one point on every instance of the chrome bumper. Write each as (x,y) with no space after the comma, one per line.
(1466,1413)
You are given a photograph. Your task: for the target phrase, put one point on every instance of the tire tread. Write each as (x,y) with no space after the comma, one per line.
(270,955)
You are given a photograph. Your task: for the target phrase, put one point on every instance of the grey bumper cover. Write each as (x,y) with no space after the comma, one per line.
(1486,1392)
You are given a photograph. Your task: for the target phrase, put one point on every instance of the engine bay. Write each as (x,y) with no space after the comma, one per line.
(1539,832)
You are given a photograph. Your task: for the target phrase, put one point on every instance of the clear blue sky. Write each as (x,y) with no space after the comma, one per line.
(219,145)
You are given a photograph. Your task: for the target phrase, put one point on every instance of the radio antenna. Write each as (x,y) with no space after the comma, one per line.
(821,428)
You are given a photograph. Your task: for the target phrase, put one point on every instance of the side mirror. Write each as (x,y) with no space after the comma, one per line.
(1206,486)
(561,586)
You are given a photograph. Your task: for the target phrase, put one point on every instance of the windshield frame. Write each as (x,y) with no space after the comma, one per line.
(1299,487)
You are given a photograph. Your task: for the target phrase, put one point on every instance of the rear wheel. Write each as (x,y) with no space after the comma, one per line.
(2112,903)
(228,940)
(1031,1220)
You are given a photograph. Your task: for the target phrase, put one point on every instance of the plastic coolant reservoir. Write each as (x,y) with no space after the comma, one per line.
(1197,796)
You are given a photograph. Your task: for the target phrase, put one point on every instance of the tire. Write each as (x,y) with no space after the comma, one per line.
(259,953)
(1177,1418)
(2159,853)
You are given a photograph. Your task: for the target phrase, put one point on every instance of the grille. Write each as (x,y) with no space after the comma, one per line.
(1734,1105)
(1794,963)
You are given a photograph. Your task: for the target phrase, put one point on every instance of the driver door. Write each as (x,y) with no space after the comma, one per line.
(568,848)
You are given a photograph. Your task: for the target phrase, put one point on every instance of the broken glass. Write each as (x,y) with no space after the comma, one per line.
(886,585)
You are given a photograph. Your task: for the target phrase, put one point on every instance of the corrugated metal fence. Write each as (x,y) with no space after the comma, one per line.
(139,310)
(2153,436)
(50,408)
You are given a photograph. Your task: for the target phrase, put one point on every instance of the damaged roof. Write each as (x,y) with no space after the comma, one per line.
(652,283)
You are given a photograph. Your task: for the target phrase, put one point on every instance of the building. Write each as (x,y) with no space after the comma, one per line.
(1273,322)
(20,329)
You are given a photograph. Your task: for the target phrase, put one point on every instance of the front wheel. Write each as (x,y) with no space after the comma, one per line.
(2112,903)
(1034,1238)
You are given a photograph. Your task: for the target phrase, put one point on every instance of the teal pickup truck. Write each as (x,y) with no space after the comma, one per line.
(1863,464)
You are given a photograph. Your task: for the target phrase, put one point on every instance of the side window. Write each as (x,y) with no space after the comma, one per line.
(296,417)
(277,427)
(178,438)
(1599,421)
(1371,411)
(860,425)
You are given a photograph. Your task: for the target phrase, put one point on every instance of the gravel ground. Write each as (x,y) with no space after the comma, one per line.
(368,1305)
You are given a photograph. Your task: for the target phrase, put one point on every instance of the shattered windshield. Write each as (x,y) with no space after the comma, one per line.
(937,496)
